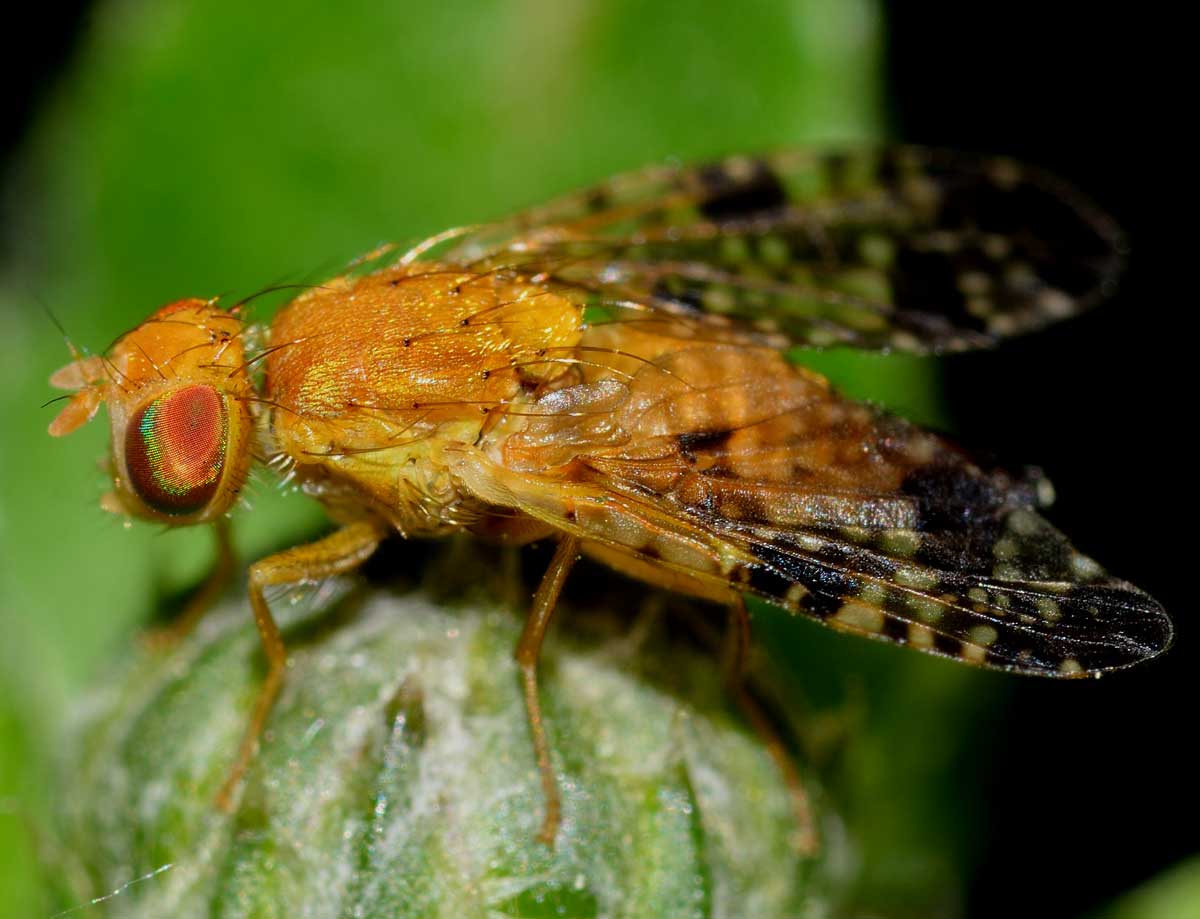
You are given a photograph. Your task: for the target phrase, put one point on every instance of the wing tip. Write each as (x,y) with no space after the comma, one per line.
(1144,632)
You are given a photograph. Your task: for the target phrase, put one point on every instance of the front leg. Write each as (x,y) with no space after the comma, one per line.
(337,553)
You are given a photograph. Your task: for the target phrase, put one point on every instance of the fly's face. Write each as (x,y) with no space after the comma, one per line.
(179,393)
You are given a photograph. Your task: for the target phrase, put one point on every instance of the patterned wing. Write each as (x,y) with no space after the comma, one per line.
(911,249)
(725,465)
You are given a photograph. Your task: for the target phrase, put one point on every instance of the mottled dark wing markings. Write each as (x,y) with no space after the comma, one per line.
(832,509)
(909,249)
(1015,610)
(1061,628)
(955,561)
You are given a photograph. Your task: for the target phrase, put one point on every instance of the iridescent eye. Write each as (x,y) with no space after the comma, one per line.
(175,449)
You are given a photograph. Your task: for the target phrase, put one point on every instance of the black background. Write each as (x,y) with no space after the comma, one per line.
(1088,793)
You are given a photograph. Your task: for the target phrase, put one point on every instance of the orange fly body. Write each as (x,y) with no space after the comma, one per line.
(608,371)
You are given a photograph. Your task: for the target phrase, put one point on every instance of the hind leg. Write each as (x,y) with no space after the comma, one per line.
(734,671)
(528,651)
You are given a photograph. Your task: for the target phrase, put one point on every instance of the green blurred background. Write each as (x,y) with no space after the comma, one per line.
(192,149)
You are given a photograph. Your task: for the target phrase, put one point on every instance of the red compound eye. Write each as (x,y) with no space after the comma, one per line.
(175,450)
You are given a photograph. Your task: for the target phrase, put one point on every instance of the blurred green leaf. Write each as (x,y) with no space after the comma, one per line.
(1175,894)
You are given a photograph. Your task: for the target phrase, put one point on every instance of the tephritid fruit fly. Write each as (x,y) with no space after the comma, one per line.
(608,371)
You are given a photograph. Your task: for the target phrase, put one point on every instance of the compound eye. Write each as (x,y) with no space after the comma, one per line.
(175,450)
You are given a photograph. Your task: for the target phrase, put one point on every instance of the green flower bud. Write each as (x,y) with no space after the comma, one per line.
(397,779)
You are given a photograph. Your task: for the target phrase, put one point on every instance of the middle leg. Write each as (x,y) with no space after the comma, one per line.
(528,650)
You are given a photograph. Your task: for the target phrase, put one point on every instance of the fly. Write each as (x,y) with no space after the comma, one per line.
(608,371)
